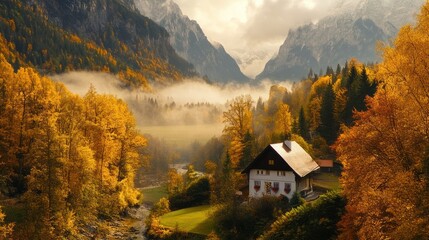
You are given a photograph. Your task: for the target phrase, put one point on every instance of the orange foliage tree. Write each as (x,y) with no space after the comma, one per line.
(385,155)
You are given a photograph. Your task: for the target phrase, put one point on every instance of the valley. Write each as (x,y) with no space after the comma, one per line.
(182,136)
(138,119)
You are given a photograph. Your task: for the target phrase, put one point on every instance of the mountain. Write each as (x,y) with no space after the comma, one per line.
(91,35)
(113,23)
(190,42)
(352,30)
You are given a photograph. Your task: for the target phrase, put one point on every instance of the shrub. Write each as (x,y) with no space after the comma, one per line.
(311,221)
(247,220)
(161,207)
(197,193)
(296,200)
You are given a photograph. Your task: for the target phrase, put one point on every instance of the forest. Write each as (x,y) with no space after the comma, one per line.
(69,163)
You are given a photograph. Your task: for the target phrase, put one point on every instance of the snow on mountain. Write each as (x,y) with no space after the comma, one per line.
(190,42)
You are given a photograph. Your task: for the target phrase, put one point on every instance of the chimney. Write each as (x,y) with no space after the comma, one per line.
(287,145)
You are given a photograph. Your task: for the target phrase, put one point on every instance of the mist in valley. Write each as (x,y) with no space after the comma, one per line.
(180,114)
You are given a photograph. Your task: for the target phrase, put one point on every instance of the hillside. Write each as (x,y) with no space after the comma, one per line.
(56,37)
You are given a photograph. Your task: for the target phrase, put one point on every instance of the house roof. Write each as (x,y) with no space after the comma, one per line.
(294,155)
(325,163)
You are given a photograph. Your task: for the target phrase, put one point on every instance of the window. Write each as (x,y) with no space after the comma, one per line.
(257,185)
(275,187)
(262,172)
(287,188)
(281,173)
(270,162)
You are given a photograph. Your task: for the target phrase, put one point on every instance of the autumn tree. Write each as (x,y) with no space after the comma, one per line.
(283,121)
(385,152)
(5,229)
(238,123)
(51,156)
(175,181)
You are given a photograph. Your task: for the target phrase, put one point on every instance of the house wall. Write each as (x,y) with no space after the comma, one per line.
(304,184)
(270,178)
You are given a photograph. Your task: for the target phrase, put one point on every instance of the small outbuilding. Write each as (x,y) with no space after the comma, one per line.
(281,169)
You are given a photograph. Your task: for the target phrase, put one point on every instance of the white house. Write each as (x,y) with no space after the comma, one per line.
(280,169)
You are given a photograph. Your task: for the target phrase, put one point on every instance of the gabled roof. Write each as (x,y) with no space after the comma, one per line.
(294,155)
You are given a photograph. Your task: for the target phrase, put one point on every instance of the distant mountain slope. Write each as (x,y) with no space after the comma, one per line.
(113,23)
(190,42)
(40,42)
(352,30)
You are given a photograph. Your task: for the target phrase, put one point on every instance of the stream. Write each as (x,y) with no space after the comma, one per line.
(132,226)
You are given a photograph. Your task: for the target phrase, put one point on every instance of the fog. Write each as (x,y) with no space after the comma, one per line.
(192,102)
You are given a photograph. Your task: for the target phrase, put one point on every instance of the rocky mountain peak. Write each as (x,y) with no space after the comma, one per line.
(190,42)
(352,30)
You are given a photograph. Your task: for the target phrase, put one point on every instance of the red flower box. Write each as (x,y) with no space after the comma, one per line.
(256,187)
(275,189)
(287,189)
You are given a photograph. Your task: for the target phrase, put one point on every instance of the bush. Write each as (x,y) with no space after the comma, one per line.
(296,200)
(197,193)
(247,220)
(161,207)
(310,221)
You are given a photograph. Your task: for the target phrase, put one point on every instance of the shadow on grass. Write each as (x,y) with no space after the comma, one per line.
(205,227)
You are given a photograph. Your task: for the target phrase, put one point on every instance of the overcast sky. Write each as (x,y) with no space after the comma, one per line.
(253,30)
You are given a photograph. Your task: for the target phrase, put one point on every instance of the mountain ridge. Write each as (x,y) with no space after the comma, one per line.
(190,42)
(351,31)
(112,24)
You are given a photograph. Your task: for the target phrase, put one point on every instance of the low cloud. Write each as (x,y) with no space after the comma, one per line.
(180,114)
(188,91)
(186,103)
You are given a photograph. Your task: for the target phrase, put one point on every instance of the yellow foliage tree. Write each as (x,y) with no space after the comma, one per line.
(385,155)
(238,123)
(283,121)
(71,159)
(5,229)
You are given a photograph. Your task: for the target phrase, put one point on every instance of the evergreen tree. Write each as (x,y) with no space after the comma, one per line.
(310,74)
(327,128)
(352,85)
(247,150)
(227,185)
(302,124)
(338,71)
(329,71)
(351,78)
(344,74)
(366,88)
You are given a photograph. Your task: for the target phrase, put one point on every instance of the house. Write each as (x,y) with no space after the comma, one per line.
(280,169)
(325,165)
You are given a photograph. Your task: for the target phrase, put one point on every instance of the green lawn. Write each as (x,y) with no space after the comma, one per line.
(328,181)
(152,195)
(194,219)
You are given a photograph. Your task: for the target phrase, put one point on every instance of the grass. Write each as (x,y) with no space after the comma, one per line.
(328,181)
(194,220)
(152,195)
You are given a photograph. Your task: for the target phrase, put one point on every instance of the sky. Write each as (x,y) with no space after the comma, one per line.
(253,30)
